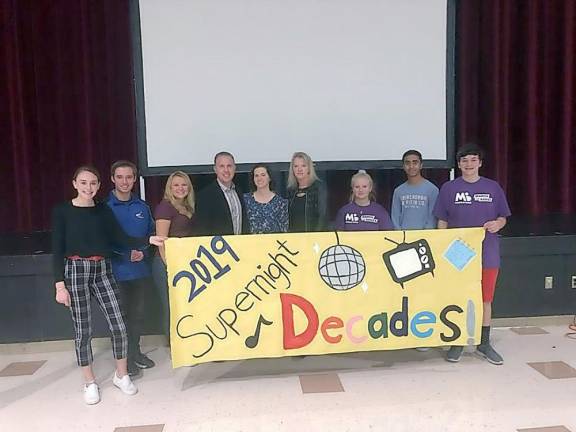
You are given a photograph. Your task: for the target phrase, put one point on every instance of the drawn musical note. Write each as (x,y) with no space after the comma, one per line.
(252,341)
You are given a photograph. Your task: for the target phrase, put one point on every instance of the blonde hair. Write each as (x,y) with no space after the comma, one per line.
(292,181)
(186,207)
(362,174)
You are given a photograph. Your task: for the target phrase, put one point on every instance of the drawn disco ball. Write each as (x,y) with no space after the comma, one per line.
(341,267)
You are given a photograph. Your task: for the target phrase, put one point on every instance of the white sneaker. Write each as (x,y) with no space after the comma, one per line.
(91,393)
(125,384)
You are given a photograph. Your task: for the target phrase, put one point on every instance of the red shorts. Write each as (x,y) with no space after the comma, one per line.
(489,276)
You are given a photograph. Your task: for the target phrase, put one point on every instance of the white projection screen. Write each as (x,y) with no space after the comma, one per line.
(354,83)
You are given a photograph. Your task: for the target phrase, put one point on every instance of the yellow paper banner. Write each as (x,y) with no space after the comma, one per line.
(275,295)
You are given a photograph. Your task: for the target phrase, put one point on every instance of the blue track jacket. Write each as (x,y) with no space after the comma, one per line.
(136,219)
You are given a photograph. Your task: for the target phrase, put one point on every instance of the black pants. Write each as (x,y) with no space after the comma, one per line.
(135,294)
(161,282)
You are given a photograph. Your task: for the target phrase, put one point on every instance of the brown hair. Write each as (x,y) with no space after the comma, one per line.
(88,168)
(123,164)
(253,186)
(223,153)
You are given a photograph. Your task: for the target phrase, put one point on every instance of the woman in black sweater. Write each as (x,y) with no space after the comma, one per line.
(306,196)
(84,237)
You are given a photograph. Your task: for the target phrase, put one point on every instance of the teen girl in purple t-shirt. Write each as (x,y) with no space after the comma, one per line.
(363,213)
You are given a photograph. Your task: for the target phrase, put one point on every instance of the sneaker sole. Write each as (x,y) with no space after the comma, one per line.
(489,360)
(454,359)
(124,392)
(143,366)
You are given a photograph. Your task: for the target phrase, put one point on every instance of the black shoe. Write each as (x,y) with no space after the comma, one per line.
(143,362)
(454,354)
(133,369)
(490,354)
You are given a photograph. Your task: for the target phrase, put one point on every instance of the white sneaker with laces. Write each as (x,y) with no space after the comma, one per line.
(125,384)
(91,393)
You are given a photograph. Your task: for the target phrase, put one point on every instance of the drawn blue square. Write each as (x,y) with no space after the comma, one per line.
(459,254)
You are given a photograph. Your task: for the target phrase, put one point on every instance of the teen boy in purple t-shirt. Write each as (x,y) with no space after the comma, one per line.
(475,201)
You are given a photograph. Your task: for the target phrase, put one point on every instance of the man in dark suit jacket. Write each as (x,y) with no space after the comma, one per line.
(219,206)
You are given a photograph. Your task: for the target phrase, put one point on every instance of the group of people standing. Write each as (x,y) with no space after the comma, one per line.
(101,249)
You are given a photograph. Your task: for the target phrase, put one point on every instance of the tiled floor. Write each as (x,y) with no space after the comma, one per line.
(378,391)
(21,368)
(146,428)
(554,370)
(525,331)
(321,383)
(546,429)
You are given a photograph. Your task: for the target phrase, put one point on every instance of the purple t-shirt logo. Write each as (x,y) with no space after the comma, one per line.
(483,197)
(462,198)
(351,218)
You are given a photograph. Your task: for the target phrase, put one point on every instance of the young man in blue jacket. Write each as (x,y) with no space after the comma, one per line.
(131,267)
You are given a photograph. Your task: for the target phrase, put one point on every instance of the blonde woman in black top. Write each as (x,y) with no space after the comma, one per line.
(306,196)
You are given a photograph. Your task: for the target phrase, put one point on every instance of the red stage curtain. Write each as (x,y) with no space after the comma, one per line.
(66,98)
(517,96)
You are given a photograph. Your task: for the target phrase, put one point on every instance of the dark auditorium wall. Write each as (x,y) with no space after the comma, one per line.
(66,98)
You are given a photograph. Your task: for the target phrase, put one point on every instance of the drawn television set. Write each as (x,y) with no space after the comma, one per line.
(408,261)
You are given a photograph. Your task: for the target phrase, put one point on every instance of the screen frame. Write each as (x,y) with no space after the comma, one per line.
(416,257)
(408,246)
(140,112)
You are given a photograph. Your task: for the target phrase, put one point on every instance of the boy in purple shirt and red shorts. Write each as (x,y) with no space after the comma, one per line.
(475,201)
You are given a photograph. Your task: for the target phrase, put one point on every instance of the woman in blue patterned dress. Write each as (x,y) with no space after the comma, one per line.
(267,212)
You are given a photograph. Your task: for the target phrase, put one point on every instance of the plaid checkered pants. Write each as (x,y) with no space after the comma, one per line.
(85,278)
